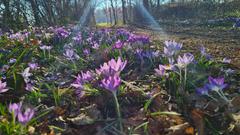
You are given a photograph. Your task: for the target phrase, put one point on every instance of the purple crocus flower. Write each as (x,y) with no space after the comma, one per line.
(12,60)
(183,62)
(118,65)
(169,67)
(112,67)
(71,55)
(25,117)
(79,93)
(160,70)
(86,51)
(111,83)
(168,52)
(171,48)
(3,87)
(48,48)
(15,108)
(33,66)
(132,38)
(5,68)
(104,69)
(216,84)
(203,91)
(61,32)
(78,38)
(78,85)
(155,53)
(95,46)
(82,78)
(144,39)
(44,47)
(29,87)
(85,77)
(173,45)
(204,53)
(118,45)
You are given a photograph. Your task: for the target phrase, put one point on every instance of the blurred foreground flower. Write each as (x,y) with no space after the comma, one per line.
(23,118)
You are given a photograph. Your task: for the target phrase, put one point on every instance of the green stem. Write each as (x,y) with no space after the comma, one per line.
(185,78)
(44,53)
(221,94)
(118,111)
(181,85)
(74,65)
(49,54)
(180,73)
(120,53)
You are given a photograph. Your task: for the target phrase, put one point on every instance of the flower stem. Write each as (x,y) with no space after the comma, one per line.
(221,94)
(185,78)
(118,111)
(44,53)
(181,83)
(74,65)
(49,54)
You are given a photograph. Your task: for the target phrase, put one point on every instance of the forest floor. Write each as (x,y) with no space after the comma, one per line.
(220,42)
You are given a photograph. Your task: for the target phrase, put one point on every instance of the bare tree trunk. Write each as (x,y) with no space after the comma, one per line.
(114,12)
(35,12)
(7,17)
(110,14)
(124,11)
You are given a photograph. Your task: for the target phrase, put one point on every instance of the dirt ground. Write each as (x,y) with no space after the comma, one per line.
(220,42)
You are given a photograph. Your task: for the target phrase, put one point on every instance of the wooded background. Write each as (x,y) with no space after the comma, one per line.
(18,14)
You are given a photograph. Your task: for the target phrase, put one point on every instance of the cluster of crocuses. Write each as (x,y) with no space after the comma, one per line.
(62,32)
(81,79)
(71,55)
(45,48)
(78,38)
(171,51)
(116,40)
(19,36)
(23,116)
(141,53)
(216,85)
(109,73)
(133,38)
(26,74)
(177,63)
